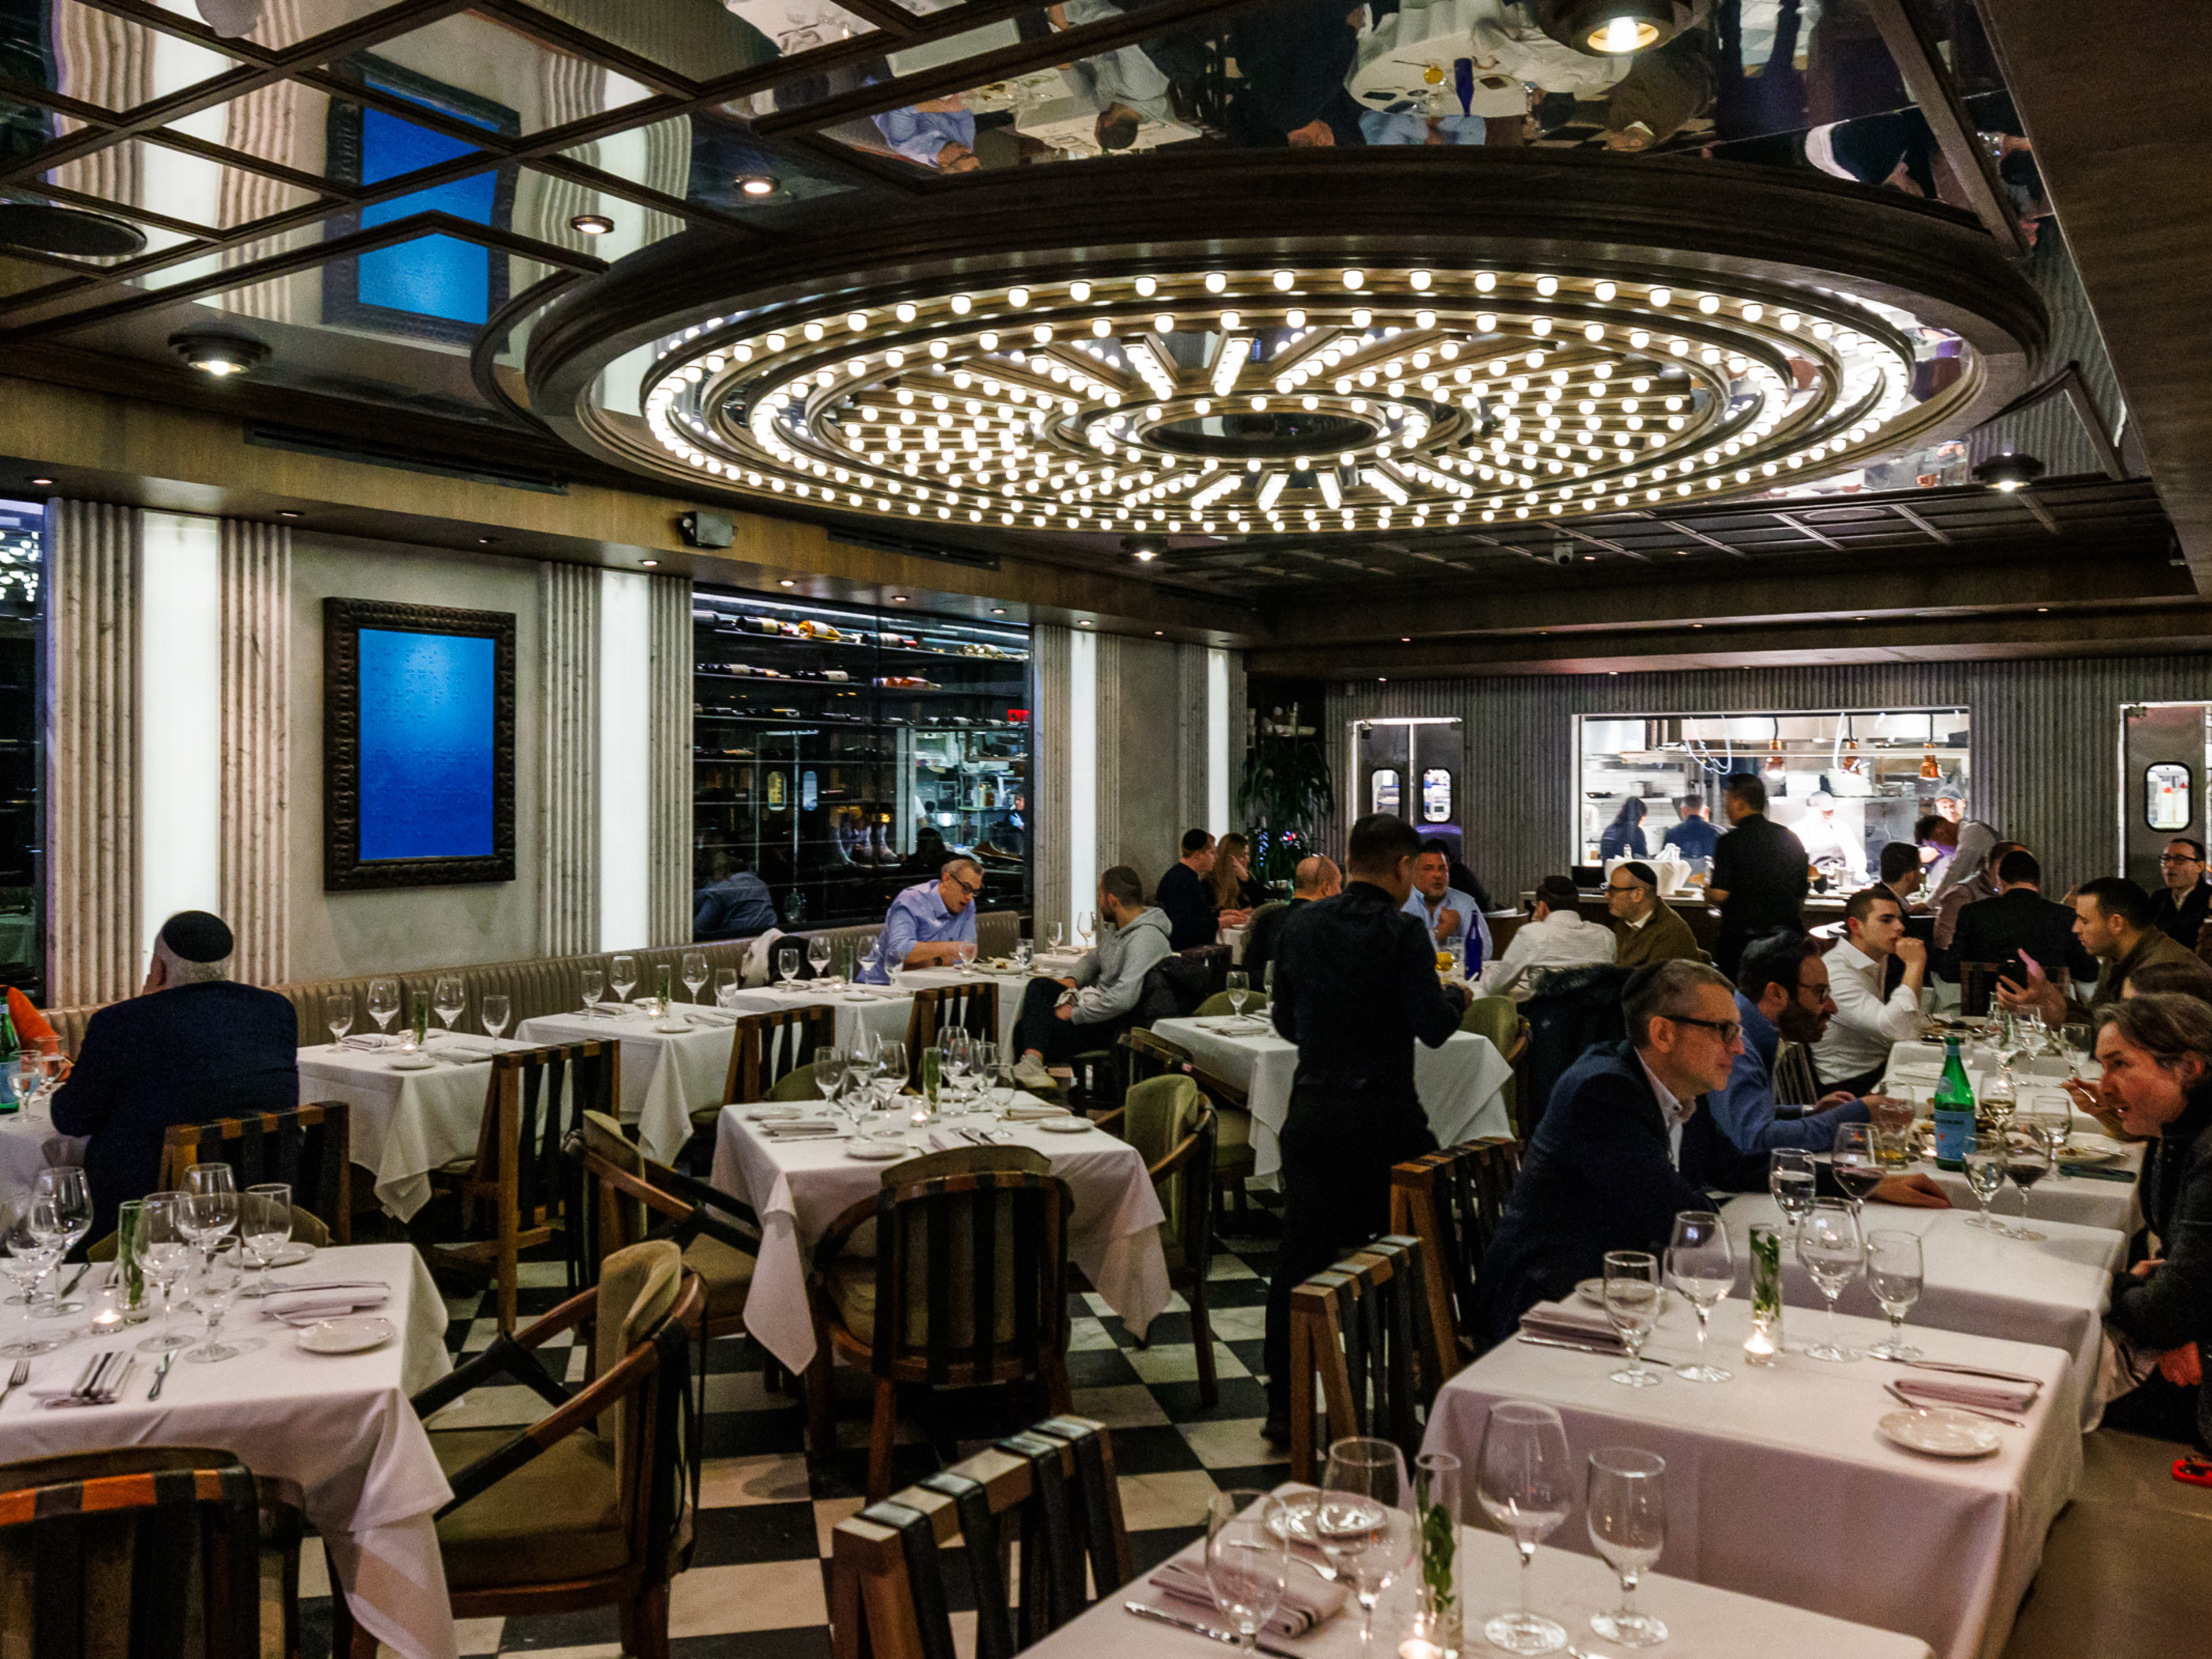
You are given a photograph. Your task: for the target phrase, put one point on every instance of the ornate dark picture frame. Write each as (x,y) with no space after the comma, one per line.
(343,867)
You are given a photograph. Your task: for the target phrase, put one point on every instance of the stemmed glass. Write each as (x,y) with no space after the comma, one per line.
(164,1255)
(1248,1562)
(595,987)
(1627,1514)
(218,1283)
(817,955)
(1525,1484)
(1086,926)
(786,965)
(2026,1161)
(1895,1273)
(62,1206)
(1023,950)
(1791,1180)
(35,1239)
(692,969)
(337,1014)
(1362,1521)
(383,1003)
(726,987)
(2052,1120)
(1857,1162)
(1829,1244)
(1701,1262)
(1239,987)
(956,1051)
(621,974)
(18,1252)
(265,1227)
(210,1206)
(890,1070)
(982,1066)
(828,1072)
(492,1014)
(1986,1174)
(1631,1302)
(1057,935)
(450,999)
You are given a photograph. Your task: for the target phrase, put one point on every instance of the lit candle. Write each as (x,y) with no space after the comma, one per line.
(1418,1647)
(1760,1348)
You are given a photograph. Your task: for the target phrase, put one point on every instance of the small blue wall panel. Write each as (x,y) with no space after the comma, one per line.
(427,775)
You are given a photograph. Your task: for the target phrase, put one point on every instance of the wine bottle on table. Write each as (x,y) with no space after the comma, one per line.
(1955,1110)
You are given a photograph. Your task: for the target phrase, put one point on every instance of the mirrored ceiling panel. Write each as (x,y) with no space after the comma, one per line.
(96,57)
(192,190)
(713,159)
(478,71)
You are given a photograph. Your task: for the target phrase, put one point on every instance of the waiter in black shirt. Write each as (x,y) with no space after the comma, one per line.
(1759,873)
(1355,986)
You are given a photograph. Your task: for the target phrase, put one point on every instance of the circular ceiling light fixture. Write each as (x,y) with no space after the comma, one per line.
(1610,28)
(2008,473)
(757,184)
(218,352)
(591,224)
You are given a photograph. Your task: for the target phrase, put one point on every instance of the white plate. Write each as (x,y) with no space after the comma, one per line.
(2078,1152)
(776,1114)
(1294,1521)
(877,1152)
(352,1334)
(1939,1431)
(294,1253)
(417,1062)
(1592,1291)
(1062,1125)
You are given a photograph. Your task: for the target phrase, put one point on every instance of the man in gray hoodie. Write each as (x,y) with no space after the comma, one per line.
(1092,1006)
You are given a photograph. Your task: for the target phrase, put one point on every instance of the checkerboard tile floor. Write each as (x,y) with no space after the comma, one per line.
(758,1583)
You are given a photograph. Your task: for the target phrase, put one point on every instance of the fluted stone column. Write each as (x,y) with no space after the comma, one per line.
(257,746)
(670,834)
(567,764)
(1191,730)
(1050,728)
(94,553)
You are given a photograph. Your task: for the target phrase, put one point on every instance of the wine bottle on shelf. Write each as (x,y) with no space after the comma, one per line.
(1955,1110)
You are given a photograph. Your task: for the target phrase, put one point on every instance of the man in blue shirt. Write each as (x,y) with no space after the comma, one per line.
(1782,991)
(1694,837)
(938,133)
(929,923)
(1453,918)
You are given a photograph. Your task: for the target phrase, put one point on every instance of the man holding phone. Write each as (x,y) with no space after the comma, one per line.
(2112,920)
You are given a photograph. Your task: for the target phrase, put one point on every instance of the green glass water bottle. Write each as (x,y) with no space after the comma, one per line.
(1955,1110)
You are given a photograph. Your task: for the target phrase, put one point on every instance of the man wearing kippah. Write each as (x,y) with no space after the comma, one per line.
(193,1045)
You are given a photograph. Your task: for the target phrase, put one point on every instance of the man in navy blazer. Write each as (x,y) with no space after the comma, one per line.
(191,1046)
(1622,1148)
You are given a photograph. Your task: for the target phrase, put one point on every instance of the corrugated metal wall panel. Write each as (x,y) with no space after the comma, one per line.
(2045,755)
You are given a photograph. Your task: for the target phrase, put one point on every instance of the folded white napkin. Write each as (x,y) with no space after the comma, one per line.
(1565,1324)
(712,1016)
(801,1128)
(1307,1601)
(465,1051)
(369,1040)
(305,1307)
(1031,1114)
(1957,1391)
(61,1381)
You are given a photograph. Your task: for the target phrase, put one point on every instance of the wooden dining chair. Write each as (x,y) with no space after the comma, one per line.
(1147,1053)
(767,1048)
(893,1583)
(149,1550)
(967,1288)
(972,1007)
(1452,1202)
(308,1148)
(592,1506)
(519,1190)
(1978,981)
(1169,1122)
(1364,1326)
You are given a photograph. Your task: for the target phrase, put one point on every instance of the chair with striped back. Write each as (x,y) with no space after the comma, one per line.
(972,1006)
(1363,1326)
(1169,1122)
(149,1550)
(519,1188)
(967,1288)
(308,1148)
(1452,1202)
(1052,1487)
(767,1048)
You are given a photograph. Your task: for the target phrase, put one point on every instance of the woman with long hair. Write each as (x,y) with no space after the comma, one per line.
(1230,885)
(1623,836)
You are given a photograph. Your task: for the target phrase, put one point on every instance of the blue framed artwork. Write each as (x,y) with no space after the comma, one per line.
(418,746)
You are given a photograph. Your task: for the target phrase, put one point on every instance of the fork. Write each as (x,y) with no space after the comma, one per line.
(1902,1399)
(16,1378)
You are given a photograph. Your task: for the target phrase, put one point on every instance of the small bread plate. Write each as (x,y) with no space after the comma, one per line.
(355,1334)
(413,1060)
(775,1114)
(293,1254)
(1293,1519)
(1939,1431)
(877,1152)
(1063,1126)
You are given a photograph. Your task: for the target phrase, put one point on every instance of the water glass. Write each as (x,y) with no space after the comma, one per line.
(34,1239)
(1701,1265)
(1830,1246)
(1791,1178)
(62,1194)
(164,1256)
(384,1002)
(787,962)
(1240,991)
(1248,1558)
(621,974)
(1361,1522)
(450,997)
(492,1014)
(265,1227)
(1985,1167)
(595,987)
(218,1284)
(1857,1163)
(1895,1273)
(890,1070)
(2053,1119)
(1626,1510)
(18,1252)
(211,1207)
(829,1071)
(983,1062)
(337,1014)
(1525,1483)
(1632,1303)
(694,972)
(726,987)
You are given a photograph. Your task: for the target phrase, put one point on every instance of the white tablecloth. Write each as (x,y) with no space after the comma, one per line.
(665,1075)
(1778,1486)
(23,1139)
(798,1187)
(883,1011)
(1460,1084)
(2051,1292)
(339,1425)
(1712,1624)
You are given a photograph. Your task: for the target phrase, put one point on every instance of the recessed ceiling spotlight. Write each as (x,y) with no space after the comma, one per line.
(650,564)
(787,583)
(898,599)
(1607,28)
(1082,624)
(42,481)
(1159,633)
(2008,473)
(487,540)
(756,184)
(591,224)
(281,512)
(218,352)
(998,611)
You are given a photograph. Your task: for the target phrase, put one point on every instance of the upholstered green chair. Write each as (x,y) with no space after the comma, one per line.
(1256,1000)
(1500,1020)
(1167,1120)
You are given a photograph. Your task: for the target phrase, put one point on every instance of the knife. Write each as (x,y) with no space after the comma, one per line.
(1535,1341)
(1891,1389)
(75,1279)
(1212,1632)
(1956,1369)
(162,1374)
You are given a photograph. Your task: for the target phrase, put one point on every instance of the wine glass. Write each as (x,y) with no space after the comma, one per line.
(1086,926)
(983,1063)
(1999,1098)
(621,974)
(1025,950)
(1626,1510)
(492,1013)
(829,1071)
(2052,1120)
(1857,1162)
(1985,1167)
(1362,1522)
(595,987)
(786,965)
(1632,1303)
(1829,1244)
(164,1255)
(1057,935)
(1525,1484)
(726,987)
(890,1070)
(2026,1161)
(383,1003)
(265,1226)
(35,1241)
(217,1284)
(1239,986)
(694,972)
(450,999)
(65,1189)
(817,955)
(1791,1178)
(1701,1263)
(211,1208)
(952,1055)
(1248,1562)
(1894,1274)
(337,1014)
(18,1252)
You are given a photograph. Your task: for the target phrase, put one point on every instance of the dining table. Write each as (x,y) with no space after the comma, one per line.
(672,1065)
(1461,1085)
(2052,1290)
(341,1426)
(798,1187)
(884,1010)
(1562,1584)
(29,1144)
(1783,1483)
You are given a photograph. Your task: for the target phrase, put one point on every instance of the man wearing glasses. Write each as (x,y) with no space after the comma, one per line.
(930,924)
(2179,912)
(1649,929)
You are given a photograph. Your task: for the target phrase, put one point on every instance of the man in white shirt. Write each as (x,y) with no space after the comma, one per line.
(1829,845)
(1855,1051)
(1556,936)
(1454,920)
